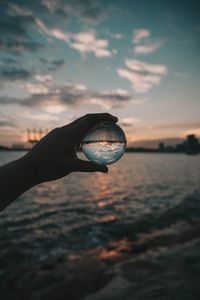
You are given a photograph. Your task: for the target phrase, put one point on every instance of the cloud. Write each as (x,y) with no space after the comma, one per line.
(10,61)
(129,121)
(113,98)
(17,10)
(17,46)
(48,95)
(55,108)
(187,128)
(15,29)
(84,42)
(34,88)
(52,64)
(87,11)
(140,34)
(15,25)
(177,125)
(18,20)
(40,87)
(54,32)
(14,73)
(4,123)
(142,44)
(43,77)
(117,36)
(38,116)
(75,94)
(145,68)
(142,75)
(147,49)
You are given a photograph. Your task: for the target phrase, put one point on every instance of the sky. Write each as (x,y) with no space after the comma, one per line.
(138,60)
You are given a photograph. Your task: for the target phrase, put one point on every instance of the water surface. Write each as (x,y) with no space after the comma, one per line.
(141,193)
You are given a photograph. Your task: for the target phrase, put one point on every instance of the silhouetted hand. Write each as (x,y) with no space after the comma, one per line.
(54,156)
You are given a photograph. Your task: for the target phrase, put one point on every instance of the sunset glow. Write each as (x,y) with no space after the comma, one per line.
(60,61)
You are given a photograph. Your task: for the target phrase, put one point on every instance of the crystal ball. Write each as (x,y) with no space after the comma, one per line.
(104,144)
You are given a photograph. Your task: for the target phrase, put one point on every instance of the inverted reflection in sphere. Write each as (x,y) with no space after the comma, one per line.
(104,144)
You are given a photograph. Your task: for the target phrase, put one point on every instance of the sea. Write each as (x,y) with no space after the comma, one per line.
(141,194)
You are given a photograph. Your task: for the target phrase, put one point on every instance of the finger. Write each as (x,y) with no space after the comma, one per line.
(90,120)
(75,121)
(93,118)
(88,166)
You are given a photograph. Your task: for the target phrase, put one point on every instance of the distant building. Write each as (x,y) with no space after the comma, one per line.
(18,146)
(192,144)
(161,146)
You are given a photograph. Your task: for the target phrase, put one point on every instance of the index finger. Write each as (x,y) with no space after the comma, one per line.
(90,120)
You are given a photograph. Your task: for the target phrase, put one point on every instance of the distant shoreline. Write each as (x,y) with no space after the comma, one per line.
(128,150)
(190,146)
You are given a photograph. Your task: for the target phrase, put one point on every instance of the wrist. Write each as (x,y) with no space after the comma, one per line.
(27,172)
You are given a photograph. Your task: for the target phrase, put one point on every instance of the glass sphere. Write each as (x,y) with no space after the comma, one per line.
(104,144)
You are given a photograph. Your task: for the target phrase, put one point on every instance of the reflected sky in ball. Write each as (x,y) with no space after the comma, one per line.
(104,144)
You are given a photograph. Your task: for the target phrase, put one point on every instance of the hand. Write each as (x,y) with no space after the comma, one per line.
(54,156)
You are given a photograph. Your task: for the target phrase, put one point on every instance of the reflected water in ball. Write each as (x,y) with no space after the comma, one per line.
(104,144)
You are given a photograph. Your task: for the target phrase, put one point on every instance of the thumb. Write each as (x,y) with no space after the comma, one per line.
(88,166)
